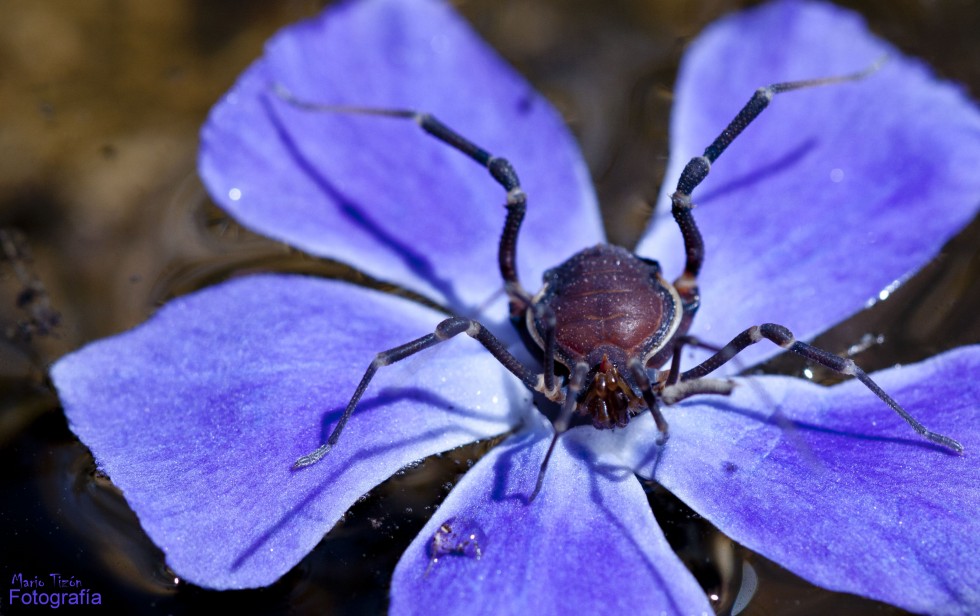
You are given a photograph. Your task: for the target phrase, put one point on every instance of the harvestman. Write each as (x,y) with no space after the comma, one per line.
(606,318)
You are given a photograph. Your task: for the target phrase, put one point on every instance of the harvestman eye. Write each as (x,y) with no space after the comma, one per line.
(605,321)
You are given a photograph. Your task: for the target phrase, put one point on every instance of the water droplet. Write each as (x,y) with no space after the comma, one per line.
(836,175)
(456,537)
(235,194)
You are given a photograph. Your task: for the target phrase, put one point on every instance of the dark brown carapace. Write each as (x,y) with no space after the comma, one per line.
(609,306)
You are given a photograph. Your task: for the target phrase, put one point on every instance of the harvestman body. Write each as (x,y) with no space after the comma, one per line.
(606,315)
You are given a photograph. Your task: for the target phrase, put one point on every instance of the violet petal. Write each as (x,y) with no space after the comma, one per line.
(199,414)
(834,195)
(587,543)
(837,487)
(377,192)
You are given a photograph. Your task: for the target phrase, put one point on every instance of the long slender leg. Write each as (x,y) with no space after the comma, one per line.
(500,169)
(673,393)
(784,338)
(675,363)
(575,384)
(444,331)
(676,390)
(697,169)
(544,314)
(643,380)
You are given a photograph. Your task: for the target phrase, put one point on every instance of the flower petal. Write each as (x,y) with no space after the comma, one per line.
(378,192)
(842,491)
(834,195)
(199,414)
(587,544)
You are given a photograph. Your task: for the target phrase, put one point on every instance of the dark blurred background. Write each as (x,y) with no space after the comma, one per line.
(102,218)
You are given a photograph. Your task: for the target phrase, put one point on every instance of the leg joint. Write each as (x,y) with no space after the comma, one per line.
(778,334)
(503,172)
(456,325)
(694,173)
(516,200)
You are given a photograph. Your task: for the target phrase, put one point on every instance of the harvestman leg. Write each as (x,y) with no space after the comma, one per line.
(669,395)
(575,384)
(502,171)
(784,338)
(675,389)
(681,205)
(546,315)
(698,167)
(675,363)
(444,331)
(693,174)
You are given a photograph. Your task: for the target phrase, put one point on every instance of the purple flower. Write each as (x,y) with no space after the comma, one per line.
(832,198)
